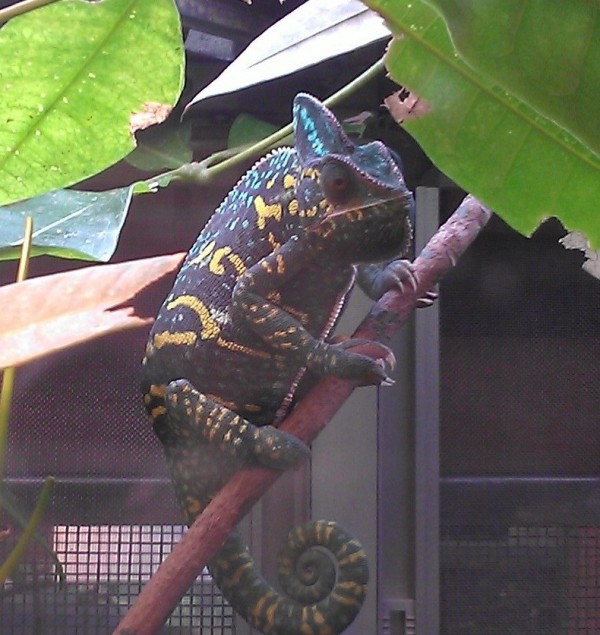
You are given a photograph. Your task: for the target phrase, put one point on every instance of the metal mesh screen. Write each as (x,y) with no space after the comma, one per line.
(520,396)
(78,416)
(105,567)
(521,579)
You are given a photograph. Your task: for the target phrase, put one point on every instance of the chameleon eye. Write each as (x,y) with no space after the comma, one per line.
(336,182)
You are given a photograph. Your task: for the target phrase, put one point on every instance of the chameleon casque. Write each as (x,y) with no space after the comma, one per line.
(242,335)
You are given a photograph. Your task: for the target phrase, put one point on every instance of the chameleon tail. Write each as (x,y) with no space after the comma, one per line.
(324,592)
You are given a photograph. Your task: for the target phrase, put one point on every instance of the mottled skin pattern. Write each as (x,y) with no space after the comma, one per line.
(243,334)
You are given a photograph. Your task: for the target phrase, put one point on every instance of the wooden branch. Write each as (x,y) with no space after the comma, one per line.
(199,544)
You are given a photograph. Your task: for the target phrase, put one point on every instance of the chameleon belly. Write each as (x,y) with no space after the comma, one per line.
(244,332)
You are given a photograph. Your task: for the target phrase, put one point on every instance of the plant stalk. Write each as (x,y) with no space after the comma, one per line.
(200,173)
(8,376)
(22,7)
(15,555)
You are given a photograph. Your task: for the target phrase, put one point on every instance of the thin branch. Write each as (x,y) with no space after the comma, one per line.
(202,172)
(179,570)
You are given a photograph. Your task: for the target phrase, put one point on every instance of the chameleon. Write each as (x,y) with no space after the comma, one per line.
(244,333)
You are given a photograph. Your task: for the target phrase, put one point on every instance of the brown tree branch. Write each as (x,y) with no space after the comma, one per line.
(179,570)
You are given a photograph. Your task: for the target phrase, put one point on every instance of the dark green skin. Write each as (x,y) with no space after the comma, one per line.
(242,335)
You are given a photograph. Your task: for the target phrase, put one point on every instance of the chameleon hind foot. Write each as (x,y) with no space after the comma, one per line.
(337,360)
(191,414)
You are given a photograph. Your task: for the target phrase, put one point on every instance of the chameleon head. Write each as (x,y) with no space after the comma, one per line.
(358,187)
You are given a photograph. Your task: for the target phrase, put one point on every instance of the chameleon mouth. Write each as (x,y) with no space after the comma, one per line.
(399,200)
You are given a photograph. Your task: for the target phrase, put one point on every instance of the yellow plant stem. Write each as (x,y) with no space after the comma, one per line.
(8,376)
(22,7)
(15,555)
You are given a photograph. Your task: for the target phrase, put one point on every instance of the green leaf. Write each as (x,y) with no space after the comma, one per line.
(491,143)
(67,223)
(547,53)
(247,129)
(164,146)
(77,80)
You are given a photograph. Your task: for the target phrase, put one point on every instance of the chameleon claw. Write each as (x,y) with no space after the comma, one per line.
(427,300)
(399,272)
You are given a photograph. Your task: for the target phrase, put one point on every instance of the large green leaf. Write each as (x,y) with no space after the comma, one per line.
(546,52)
(67,223)
(77,79)
(491,143)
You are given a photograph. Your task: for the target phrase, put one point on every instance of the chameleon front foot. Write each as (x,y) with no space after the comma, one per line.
(192,413)
(399,274)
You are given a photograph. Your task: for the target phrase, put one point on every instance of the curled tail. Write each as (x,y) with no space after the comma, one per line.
(322,569)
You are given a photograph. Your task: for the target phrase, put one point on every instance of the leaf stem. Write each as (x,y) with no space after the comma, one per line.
(8,376)
(22,7)
(203,171)
(15,555)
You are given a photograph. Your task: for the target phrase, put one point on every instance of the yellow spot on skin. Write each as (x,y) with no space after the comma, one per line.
(204,253)
(216,266)
(310,173)
(233,346)
(210,328)
(184,338)
(293,207)
(345,601)
(264,212)
(306,628)
(193,506)
(230,405)
(257,610)
(280,262)
(270,614)
(275,244)
(238,263)
(157,391)
(159,411)
(289,181)
(234,580)
(270,184)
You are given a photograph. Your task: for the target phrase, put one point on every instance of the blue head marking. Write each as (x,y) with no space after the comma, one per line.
(318,133)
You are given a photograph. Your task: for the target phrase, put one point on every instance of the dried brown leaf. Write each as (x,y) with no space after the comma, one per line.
(46,314)
(151,113)
(405,105)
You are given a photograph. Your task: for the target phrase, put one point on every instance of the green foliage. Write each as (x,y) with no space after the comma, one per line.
(247,129)
(67,223)
(77,79)
(546,53)
(166,146)
(491,142)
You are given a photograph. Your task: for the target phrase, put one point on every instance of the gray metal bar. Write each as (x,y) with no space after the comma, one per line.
(427,471)
(520,500)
